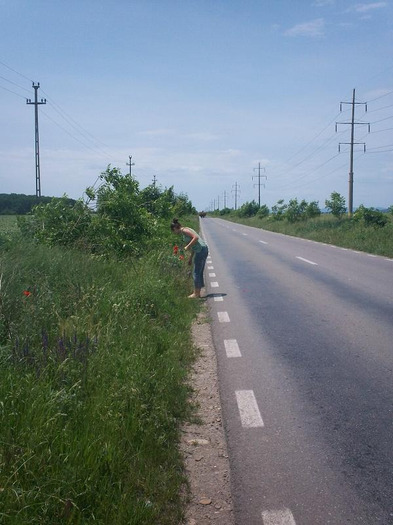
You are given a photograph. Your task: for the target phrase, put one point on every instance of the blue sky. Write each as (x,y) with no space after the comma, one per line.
(199,92)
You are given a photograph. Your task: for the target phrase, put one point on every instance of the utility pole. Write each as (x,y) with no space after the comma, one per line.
(130,164)
(236,191)
(218,203)
(37,138)
(259,181)
(154,181)
(352,123)
(225,199)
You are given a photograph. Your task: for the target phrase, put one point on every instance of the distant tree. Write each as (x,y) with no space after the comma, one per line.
(225,211)
(370,216)
(263,211)
(248,209)
(390,209)
(295,210)
(278,210)
(21,204)
(313,210)
(336,204)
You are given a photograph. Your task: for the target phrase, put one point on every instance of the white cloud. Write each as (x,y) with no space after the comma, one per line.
(157,132)
(322,3)
(312,29)
(364,8)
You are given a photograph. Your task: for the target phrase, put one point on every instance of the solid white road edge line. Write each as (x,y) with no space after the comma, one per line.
(278,517)
(306,260)
(248,409)
(232,348)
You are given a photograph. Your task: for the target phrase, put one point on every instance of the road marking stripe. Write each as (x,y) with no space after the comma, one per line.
(244,233)
(210,267)
(263,242)
(212,274)
(214,284)
(218,298)
(223,317)
(248,409)
(307,261)
(232,348)
(278,517)
(371,255)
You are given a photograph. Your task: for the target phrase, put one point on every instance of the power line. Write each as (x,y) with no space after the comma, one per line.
(15,71)
(381,96)
(72,122)
(13,92)
(73,136)
(14,83)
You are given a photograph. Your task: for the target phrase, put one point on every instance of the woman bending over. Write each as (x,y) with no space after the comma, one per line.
(198,253)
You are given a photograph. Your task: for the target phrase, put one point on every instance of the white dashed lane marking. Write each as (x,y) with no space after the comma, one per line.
(212,274)
(232,348)
(223,317)
(214,284)
(210,267)
(263,242)
(248,409)
(218,298)
(278,517)
(307,261)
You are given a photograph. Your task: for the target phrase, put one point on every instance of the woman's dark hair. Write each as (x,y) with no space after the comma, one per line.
(175,224)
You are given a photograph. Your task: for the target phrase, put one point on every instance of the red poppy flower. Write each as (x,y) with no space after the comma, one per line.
(181,257)
(175,250)
(26,293)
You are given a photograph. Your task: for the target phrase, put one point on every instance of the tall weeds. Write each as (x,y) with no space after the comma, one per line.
(93,359)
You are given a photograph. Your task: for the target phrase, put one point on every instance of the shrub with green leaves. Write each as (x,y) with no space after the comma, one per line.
(370,217)
(336,204)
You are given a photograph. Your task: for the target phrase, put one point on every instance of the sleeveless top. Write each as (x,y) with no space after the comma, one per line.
(197,247)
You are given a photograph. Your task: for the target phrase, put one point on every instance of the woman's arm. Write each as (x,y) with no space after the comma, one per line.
(194,238)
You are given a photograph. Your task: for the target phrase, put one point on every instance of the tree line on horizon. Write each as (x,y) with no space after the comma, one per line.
(21,204)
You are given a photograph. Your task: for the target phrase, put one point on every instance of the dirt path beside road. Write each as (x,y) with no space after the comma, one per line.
(204,445)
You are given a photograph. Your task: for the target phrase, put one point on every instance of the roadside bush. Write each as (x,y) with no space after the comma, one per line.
(248,209)
(313,210)
(263,212)
(124,220)
(336,204)
(370,216)
(278,210)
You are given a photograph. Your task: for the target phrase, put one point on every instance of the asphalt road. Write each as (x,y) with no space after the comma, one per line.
(304,339)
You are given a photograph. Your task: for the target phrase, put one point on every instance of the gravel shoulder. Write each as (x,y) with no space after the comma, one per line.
(203,444)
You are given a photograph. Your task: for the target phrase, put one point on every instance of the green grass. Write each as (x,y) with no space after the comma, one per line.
(328,229)
(92,386)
